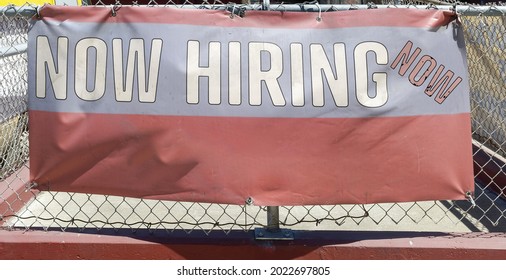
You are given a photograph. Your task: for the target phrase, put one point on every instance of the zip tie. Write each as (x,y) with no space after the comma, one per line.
(469,197)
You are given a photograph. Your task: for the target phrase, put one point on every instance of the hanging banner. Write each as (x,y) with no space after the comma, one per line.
(273,108)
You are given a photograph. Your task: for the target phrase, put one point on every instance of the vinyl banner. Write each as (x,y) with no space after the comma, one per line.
(275,108)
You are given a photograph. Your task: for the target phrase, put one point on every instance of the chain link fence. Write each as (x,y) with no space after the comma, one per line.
(24,208)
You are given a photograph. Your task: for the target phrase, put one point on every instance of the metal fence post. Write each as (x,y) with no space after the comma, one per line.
(273,218)
(272,231)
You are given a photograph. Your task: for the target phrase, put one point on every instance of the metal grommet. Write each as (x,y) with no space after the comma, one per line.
(249,201)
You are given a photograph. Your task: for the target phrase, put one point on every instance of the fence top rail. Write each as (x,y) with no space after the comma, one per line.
(493,10)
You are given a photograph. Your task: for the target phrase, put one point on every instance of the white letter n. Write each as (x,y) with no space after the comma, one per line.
(45,61)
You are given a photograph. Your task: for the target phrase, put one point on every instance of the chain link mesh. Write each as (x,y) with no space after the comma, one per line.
(13,86)
(22,207)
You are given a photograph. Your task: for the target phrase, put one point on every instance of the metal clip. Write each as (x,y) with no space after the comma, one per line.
(37,11)
(236,11)
(456,14)
(233,11)
(319,18)
(30,185)
(266,5)
(353,7)
(114,10)
(469,197)
(431,6)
